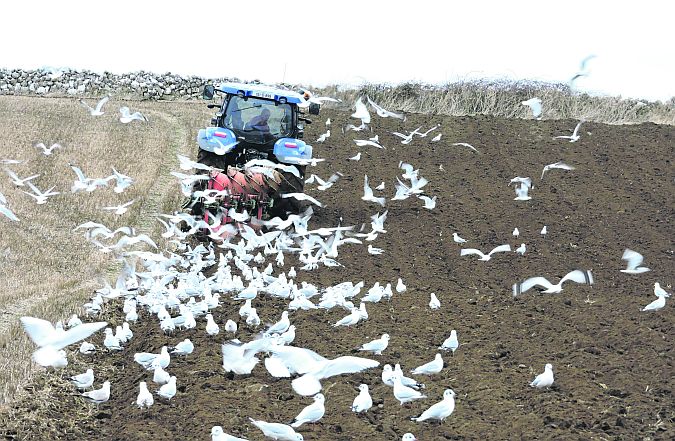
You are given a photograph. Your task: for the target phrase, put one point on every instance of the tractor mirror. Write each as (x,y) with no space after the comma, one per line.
(209,90)
(314,108)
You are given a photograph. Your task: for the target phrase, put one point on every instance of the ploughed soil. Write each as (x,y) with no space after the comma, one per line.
(613,364)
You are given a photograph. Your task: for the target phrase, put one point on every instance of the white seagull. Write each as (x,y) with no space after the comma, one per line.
(458,239)
(451,342)
(16,180)
(356,157)
(485,257)
(368,193)
(545,379)
(440,410)
(98,111)
(574,136)
(578,276)
(660,302)
(376,346)
(47,150)
(558,164)
(535,105)
(434,303)
(582,72)
(385,113)
(127,116)
(433,367)
(633,261)
(363,401)
(312,413)
(277,431)
(120,209)
(39,196)
(99,396)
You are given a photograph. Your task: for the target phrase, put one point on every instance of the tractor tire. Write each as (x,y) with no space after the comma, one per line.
(289,184)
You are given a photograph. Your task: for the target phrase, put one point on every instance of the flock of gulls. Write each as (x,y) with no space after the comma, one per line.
(246,261)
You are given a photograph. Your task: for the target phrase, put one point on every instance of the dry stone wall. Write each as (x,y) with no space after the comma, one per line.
(64,82)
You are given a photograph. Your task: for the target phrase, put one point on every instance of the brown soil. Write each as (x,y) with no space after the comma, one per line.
(613,363)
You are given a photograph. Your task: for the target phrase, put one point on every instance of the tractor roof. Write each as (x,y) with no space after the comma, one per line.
(261,91)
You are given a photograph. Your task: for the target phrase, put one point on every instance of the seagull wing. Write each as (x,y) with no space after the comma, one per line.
(468,251)
(576,129)
(101,103)
(7,212)
(85,105)
(500,249)
(343,365)
(302,197)
(633,258)
(578,276)
(520,288)
(39,330)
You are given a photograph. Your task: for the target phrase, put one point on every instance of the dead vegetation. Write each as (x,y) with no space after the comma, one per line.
(46,269)
(503,99)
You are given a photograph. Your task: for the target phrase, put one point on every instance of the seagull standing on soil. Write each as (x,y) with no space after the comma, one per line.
(451,342)
(356,157)
(312,413)
(545,379)
(363,401)
(144,398)
(277,431)
(521,249)
(98,111)
(574,137)
(217,434)
(660,302)
(433,367)
(83,381)
(434,303)
(405,394)
(376,346)
(440,410)
(99,396)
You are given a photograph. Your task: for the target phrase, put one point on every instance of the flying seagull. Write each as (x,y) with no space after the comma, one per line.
(485,257)
(558,164)
(535,105)
(634,260)
(578,276)
(98,111)
(574,136)
(127,116)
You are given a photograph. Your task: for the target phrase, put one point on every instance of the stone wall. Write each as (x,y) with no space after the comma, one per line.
(64,82)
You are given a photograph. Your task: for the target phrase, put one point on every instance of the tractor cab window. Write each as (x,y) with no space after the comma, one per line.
(258,120)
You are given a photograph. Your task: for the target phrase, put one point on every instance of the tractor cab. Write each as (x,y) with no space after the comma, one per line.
(259,117)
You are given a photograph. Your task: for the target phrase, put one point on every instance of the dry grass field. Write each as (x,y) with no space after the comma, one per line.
(47,270)
(613,363)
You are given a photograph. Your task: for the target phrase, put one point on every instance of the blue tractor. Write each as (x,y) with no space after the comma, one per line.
(259,125)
